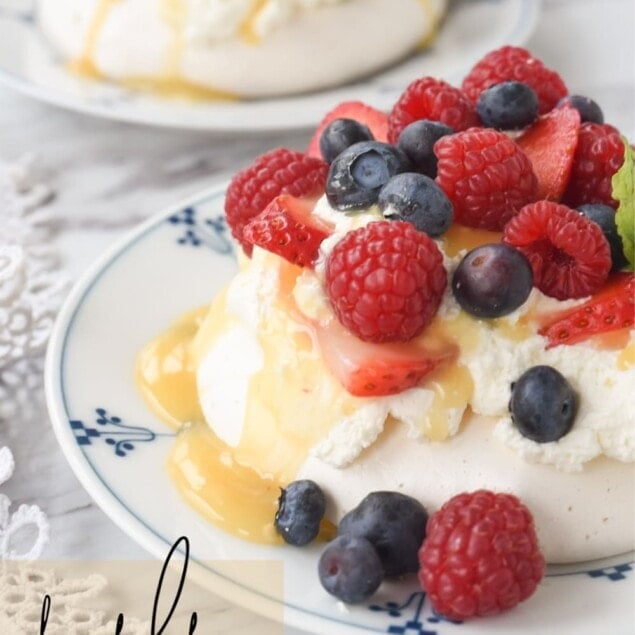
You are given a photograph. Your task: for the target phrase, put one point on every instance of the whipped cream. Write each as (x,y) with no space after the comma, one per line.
(212,20)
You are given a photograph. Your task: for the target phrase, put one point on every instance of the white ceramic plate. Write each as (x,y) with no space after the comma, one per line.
(118,449)
(473,27)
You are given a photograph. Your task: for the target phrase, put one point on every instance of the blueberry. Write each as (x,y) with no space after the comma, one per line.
(341,134)
(350,569)
(604,216)
(301,507)
(394,523)
(357,174)
(492,280)
(543,405)
(417,142)
(417,199)
(588,109)
(507,106)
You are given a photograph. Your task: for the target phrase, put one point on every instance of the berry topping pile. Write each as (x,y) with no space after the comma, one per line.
(480,556)
(509,153)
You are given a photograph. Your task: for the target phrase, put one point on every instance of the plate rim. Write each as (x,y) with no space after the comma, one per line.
(126,518)
(526,21)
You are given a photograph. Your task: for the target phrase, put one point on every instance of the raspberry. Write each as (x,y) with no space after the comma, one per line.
(486,175)
(517,64)
(568,253)
(599,155)
(385,281)
(480,556)
(434,100)
(279,171)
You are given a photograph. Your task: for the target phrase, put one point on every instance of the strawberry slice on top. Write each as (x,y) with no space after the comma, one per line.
(611,309)
(550,146)
(374,119)
(288,228)
(368,369)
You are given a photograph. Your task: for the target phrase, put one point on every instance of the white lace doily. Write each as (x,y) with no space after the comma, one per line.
(22,590)
(31,290)
(30,287)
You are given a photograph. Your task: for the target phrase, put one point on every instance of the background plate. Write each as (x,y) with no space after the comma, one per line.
(472,28)
(118,449)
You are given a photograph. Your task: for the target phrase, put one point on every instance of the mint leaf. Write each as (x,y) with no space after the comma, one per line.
(624,193)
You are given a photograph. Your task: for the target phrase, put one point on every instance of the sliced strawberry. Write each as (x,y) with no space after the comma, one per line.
(367,369)
(550,145)
(376,120)
(610,309)
(288,228)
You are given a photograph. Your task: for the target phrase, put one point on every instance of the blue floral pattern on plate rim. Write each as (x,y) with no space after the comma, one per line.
(196,229)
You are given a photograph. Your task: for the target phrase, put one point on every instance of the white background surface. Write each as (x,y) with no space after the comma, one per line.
(109,176)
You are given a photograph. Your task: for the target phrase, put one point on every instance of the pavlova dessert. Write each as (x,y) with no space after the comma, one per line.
(432,322)
(242,48)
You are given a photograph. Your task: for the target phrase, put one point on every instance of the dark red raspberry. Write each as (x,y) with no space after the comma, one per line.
(279,171)
(568,253)
(486,175)
(514,63)
(480,556)
(599,155)
(385,281)
(432,99)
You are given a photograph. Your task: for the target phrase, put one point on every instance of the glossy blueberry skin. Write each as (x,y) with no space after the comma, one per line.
(301,507)
(417,142)
(395,524)
(543,404)
(416,198)
(508,106)
(357,175)
(341,134)
(604,216)
(492,280)
(588,109)
(350,569)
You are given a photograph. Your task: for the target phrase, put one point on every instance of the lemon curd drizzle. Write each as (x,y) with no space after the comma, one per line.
(171,83)
(85,63)
(434,18)
(247,29)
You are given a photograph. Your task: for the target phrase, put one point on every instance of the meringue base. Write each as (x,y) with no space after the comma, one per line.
(137,42)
